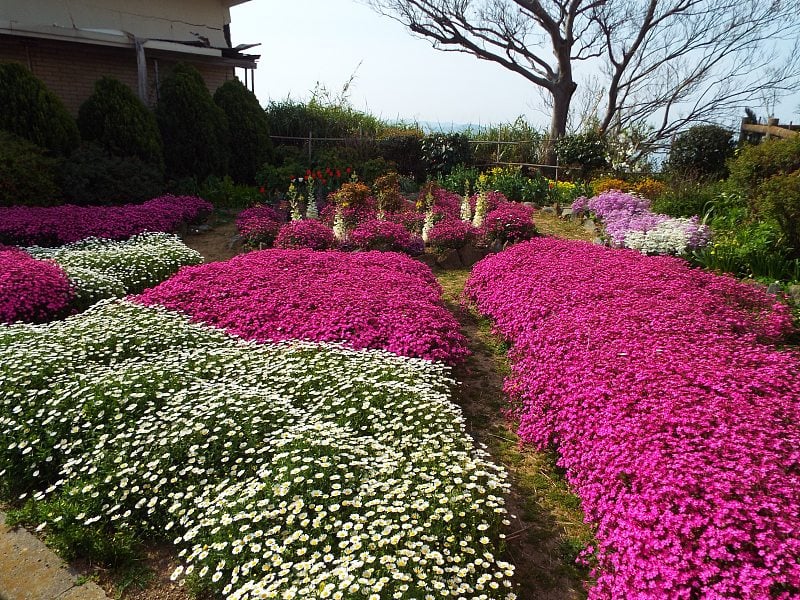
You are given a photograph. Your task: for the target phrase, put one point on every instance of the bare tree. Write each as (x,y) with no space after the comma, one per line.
(667,62)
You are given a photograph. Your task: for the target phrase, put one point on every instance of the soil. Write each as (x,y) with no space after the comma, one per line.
(546,525)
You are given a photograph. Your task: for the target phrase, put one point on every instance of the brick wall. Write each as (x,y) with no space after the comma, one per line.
(70,69)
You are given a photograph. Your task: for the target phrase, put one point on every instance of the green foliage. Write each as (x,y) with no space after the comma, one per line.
(222,192)
(460,180)
(33,112)
(515,185)
(114,118)
(193,128)
(755,164)
(779,198)
(585,151)
(441,152)
(686,198)
(250,143)
(27,176)
(296,119)
(404,148)
(529,146)
(701,152)
(92,176)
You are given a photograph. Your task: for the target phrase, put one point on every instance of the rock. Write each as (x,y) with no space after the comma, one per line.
(589,225)
(598,241)
(236,244)
(566,213)
(449,260)
(548,210)
(428,259)
(469,255)
(202,228)
(794,293)
(774,289)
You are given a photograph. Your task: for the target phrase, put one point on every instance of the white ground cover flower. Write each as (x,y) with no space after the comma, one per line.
(286,470)
(101,268)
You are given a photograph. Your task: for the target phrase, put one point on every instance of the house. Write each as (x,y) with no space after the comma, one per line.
(70,44)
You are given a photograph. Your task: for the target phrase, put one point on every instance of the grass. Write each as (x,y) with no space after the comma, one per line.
(549,533)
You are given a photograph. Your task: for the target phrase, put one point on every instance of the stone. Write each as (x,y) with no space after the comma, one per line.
(794,292)
(469,255)
(428,259)
(774,289)
(236,244)
(548,210)
(29,570)
(598,241)
(590,226)
(566,213)
(449,260)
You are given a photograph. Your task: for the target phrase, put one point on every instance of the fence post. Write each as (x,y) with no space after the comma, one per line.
(497,157)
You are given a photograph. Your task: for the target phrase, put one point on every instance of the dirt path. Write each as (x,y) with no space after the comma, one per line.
(547,531)
(214,240)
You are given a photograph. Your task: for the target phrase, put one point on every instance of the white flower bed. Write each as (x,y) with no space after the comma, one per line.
(294,470)
(101,268)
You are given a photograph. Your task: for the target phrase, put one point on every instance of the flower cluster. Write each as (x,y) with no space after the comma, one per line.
(629,223)
(101,268)
(305,233)
(31,290)
(673,413)
(384,235)
(258,225)
(380,300)
(57,225)
(277,471)
(452,233)
(510,222)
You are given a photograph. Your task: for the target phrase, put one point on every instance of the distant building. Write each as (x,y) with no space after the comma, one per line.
(70,44)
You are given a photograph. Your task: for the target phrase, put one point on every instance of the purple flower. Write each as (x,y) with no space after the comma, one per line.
(307,233)
(31,290)
(452,233)
(510,222)
(384,235)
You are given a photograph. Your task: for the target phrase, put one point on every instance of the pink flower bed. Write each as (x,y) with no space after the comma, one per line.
(58,225)
(259,225)
(452,233)
(674,415)
(307,233)
(366,300)
(31,290)
(510,222)
(385,235)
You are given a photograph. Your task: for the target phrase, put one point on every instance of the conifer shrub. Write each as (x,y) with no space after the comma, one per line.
(194,130)
(27,175)
(114,118)
(701,153)
(31,111)
(250,144)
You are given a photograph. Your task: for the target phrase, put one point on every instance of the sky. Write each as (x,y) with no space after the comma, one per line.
(398,77)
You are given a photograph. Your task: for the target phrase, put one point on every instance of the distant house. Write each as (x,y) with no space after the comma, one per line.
(69,44)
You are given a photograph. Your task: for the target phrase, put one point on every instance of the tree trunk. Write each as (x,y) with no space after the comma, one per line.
(562,97)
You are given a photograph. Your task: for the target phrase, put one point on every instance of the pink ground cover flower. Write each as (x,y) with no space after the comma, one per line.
(510,222)
(31,290)
(384,235)
(58,225)
(365,299)
(453,233)
(259,225)
(307,233)
(673,412)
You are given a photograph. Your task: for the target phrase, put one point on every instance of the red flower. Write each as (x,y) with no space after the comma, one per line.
(347,170)
(324,181)
(308,172)
(261,190)
(338,173)
(319,174)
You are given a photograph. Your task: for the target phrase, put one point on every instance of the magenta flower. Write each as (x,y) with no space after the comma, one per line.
(510,222)
(384,235)
(380,300)
(258,225)
(31,290)
(453,233)
(674,415)
(306,233)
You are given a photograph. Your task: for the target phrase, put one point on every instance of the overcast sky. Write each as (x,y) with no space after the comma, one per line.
(397,76)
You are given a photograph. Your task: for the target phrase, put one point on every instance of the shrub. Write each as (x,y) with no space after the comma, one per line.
(27,176)
(755,164)
(222,192)
(509,223)
(93,176)
(305,234)
(604,184)
(258,225)
(650,188)
(587,151)
(114,118)
(685,198)
(403,147)
(701,152)
(452,233)
(193,128)
(31,290)
(515,185)
(442,152)
(33,112)
(384,235)
(250,144)
(779,198)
